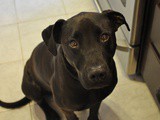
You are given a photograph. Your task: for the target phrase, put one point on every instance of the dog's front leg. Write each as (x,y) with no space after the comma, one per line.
(70,115)
(50,114)
(93,114)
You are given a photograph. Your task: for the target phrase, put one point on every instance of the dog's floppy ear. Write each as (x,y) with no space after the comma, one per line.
(52,34)
(117,18)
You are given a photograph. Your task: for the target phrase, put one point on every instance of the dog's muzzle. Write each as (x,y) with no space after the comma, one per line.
(97,74)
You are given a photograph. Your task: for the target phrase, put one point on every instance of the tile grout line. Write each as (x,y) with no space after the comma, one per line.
(21,22)
(64,7)
(6,110)
(43,18)
(30,111)
(11,61)
(20,42)
(21,47)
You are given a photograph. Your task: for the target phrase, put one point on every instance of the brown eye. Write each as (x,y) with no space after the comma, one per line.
(73,44)
(104,38)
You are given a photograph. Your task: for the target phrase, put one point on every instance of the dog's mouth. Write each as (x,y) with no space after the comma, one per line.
(87,84)
(99,86)
(95,86)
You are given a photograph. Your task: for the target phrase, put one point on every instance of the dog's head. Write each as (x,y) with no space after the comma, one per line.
(89,43)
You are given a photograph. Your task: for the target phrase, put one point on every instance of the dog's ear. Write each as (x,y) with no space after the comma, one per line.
(117,18)
(52,35)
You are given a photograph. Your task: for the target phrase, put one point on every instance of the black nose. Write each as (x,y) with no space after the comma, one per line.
(97,74)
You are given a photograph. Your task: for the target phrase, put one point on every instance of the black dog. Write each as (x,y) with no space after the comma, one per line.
(73,69)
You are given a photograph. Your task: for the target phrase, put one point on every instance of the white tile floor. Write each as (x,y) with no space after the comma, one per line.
(21,23)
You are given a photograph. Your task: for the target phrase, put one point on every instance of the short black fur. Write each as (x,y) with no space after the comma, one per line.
(63,78)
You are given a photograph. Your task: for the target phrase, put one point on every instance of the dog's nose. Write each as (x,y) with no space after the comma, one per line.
(97,74)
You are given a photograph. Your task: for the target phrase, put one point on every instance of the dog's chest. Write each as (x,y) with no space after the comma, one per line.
(81,101)
(75,104)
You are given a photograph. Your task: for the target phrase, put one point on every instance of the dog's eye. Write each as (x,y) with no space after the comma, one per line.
(73,44)
(104,38)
